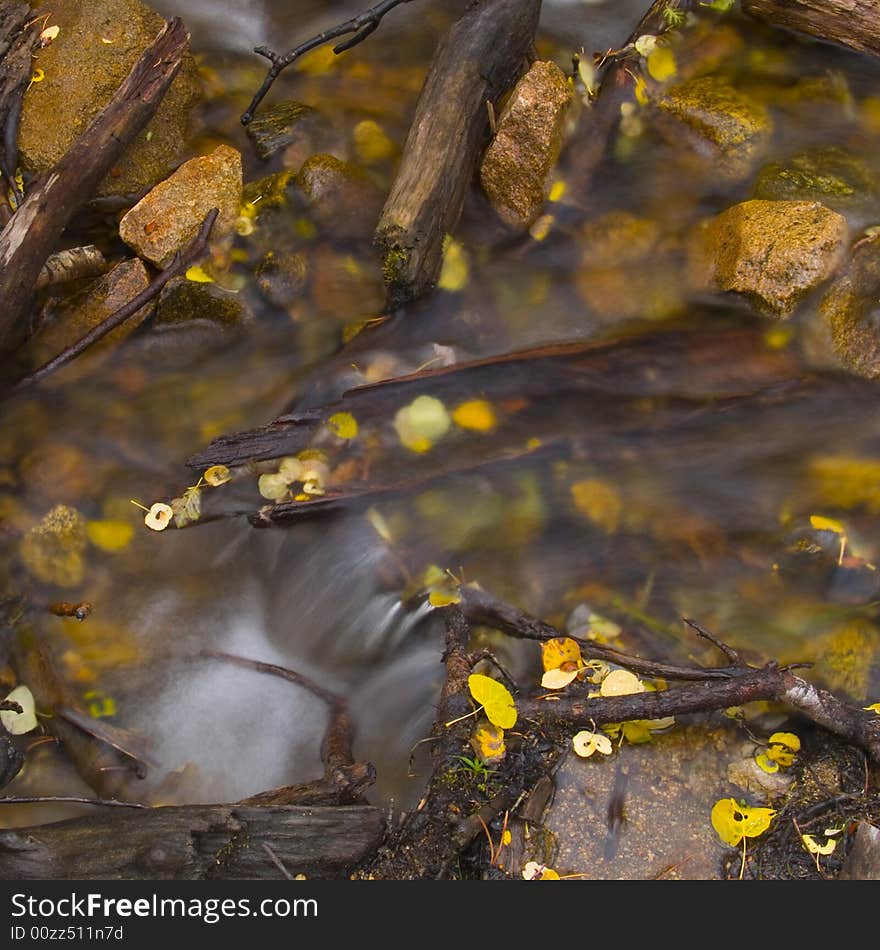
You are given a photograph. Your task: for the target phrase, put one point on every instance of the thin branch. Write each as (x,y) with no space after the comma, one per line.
(182,260)
(40,799)
(361,26)
(729,652)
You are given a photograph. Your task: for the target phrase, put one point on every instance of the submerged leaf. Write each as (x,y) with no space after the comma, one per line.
(476,415)
(495,699)
(343,424)
(109,535)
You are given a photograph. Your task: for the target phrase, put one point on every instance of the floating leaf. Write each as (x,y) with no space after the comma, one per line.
(217,475)
(585,743)
(17,724)
(621,683)
(557,679)
(159,516)
(533,871)
(661,64)
(495,699)
(198,275)
(109,535)
(475,414)
(343,424)
(733,821)
(559,651)
(488,742)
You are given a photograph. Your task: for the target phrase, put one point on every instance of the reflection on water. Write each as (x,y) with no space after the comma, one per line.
(692,508)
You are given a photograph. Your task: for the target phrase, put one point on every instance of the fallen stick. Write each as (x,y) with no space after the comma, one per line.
(479,59)
(33,231)
(852,23)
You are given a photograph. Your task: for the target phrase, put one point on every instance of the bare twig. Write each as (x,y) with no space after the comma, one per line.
(72,799)
(361,26)
(182,260)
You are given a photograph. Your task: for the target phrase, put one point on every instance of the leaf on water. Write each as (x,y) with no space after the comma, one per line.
(109,535)
(344,425)
(621,683)
(586,742)
(217,475)
(495,699)
(159,516)
(558,679)
(661,64)
(559,651)
(455,271)
(476,415)
(274,486)
(198,275)
(733,822)
(17,724)
(488,742)
(420,424)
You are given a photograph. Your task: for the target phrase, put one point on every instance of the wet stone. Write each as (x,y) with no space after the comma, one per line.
(76,317)
(282,278)
(98,43)
(52,551)
(517,167)
(167,218)
(341,200)
(724,124)
(773,252)
(288,125)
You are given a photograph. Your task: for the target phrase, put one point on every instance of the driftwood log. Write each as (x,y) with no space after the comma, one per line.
(33,231)
(479,59)
(853,23)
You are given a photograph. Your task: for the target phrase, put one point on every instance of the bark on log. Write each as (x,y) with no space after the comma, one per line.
(478,61)
(32,233)
(194,842)
(852,23)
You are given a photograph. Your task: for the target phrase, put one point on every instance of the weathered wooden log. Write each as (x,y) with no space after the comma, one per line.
(18,39)
(479,59)
(32,233)
(194,842)
(852,23)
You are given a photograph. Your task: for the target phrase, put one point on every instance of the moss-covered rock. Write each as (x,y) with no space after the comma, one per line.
(516,170)
(52,551)
(773,252)
(282,278)
(710,114)
(294,126)
(98,43)
(340,198)
(166,219)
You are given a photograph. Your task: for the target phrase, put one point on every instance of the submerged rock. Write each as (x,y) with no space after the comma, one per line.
(721,122)
(169,216)
(773,252)
(294,126)
(517,167)
(282,277)
(52,550)
(98,43)
(836,178)
(342,201)
(76,317)
(845,331)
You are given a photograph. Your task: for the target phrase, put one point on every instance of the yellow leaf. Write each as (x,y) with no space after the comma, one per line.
(733,821)
(645,45)
(442,598)
(557,679)
(636,731)
(788,739)
(586,742)
(874,707)
(506,838)
(38,75)
(380,525)
(621,683)
(557,190)
(109,535)
(821,523)
(455,271)
(371,144)
(599,501)
(641,91)
(217,475)
(49,34)
(274,486)
(198,275)
(661,64)
(558,651)
(533,871)
(814,847)
(420,424)
(763,761)
(475,414)
(495,699)
(343,424)
(488,742)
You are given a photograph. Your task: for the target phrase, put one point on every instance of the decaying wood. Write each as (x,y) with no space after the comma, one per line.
(72,264)
(479,59)
(19,37)
(33,231)
(194,842)
(853,23)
